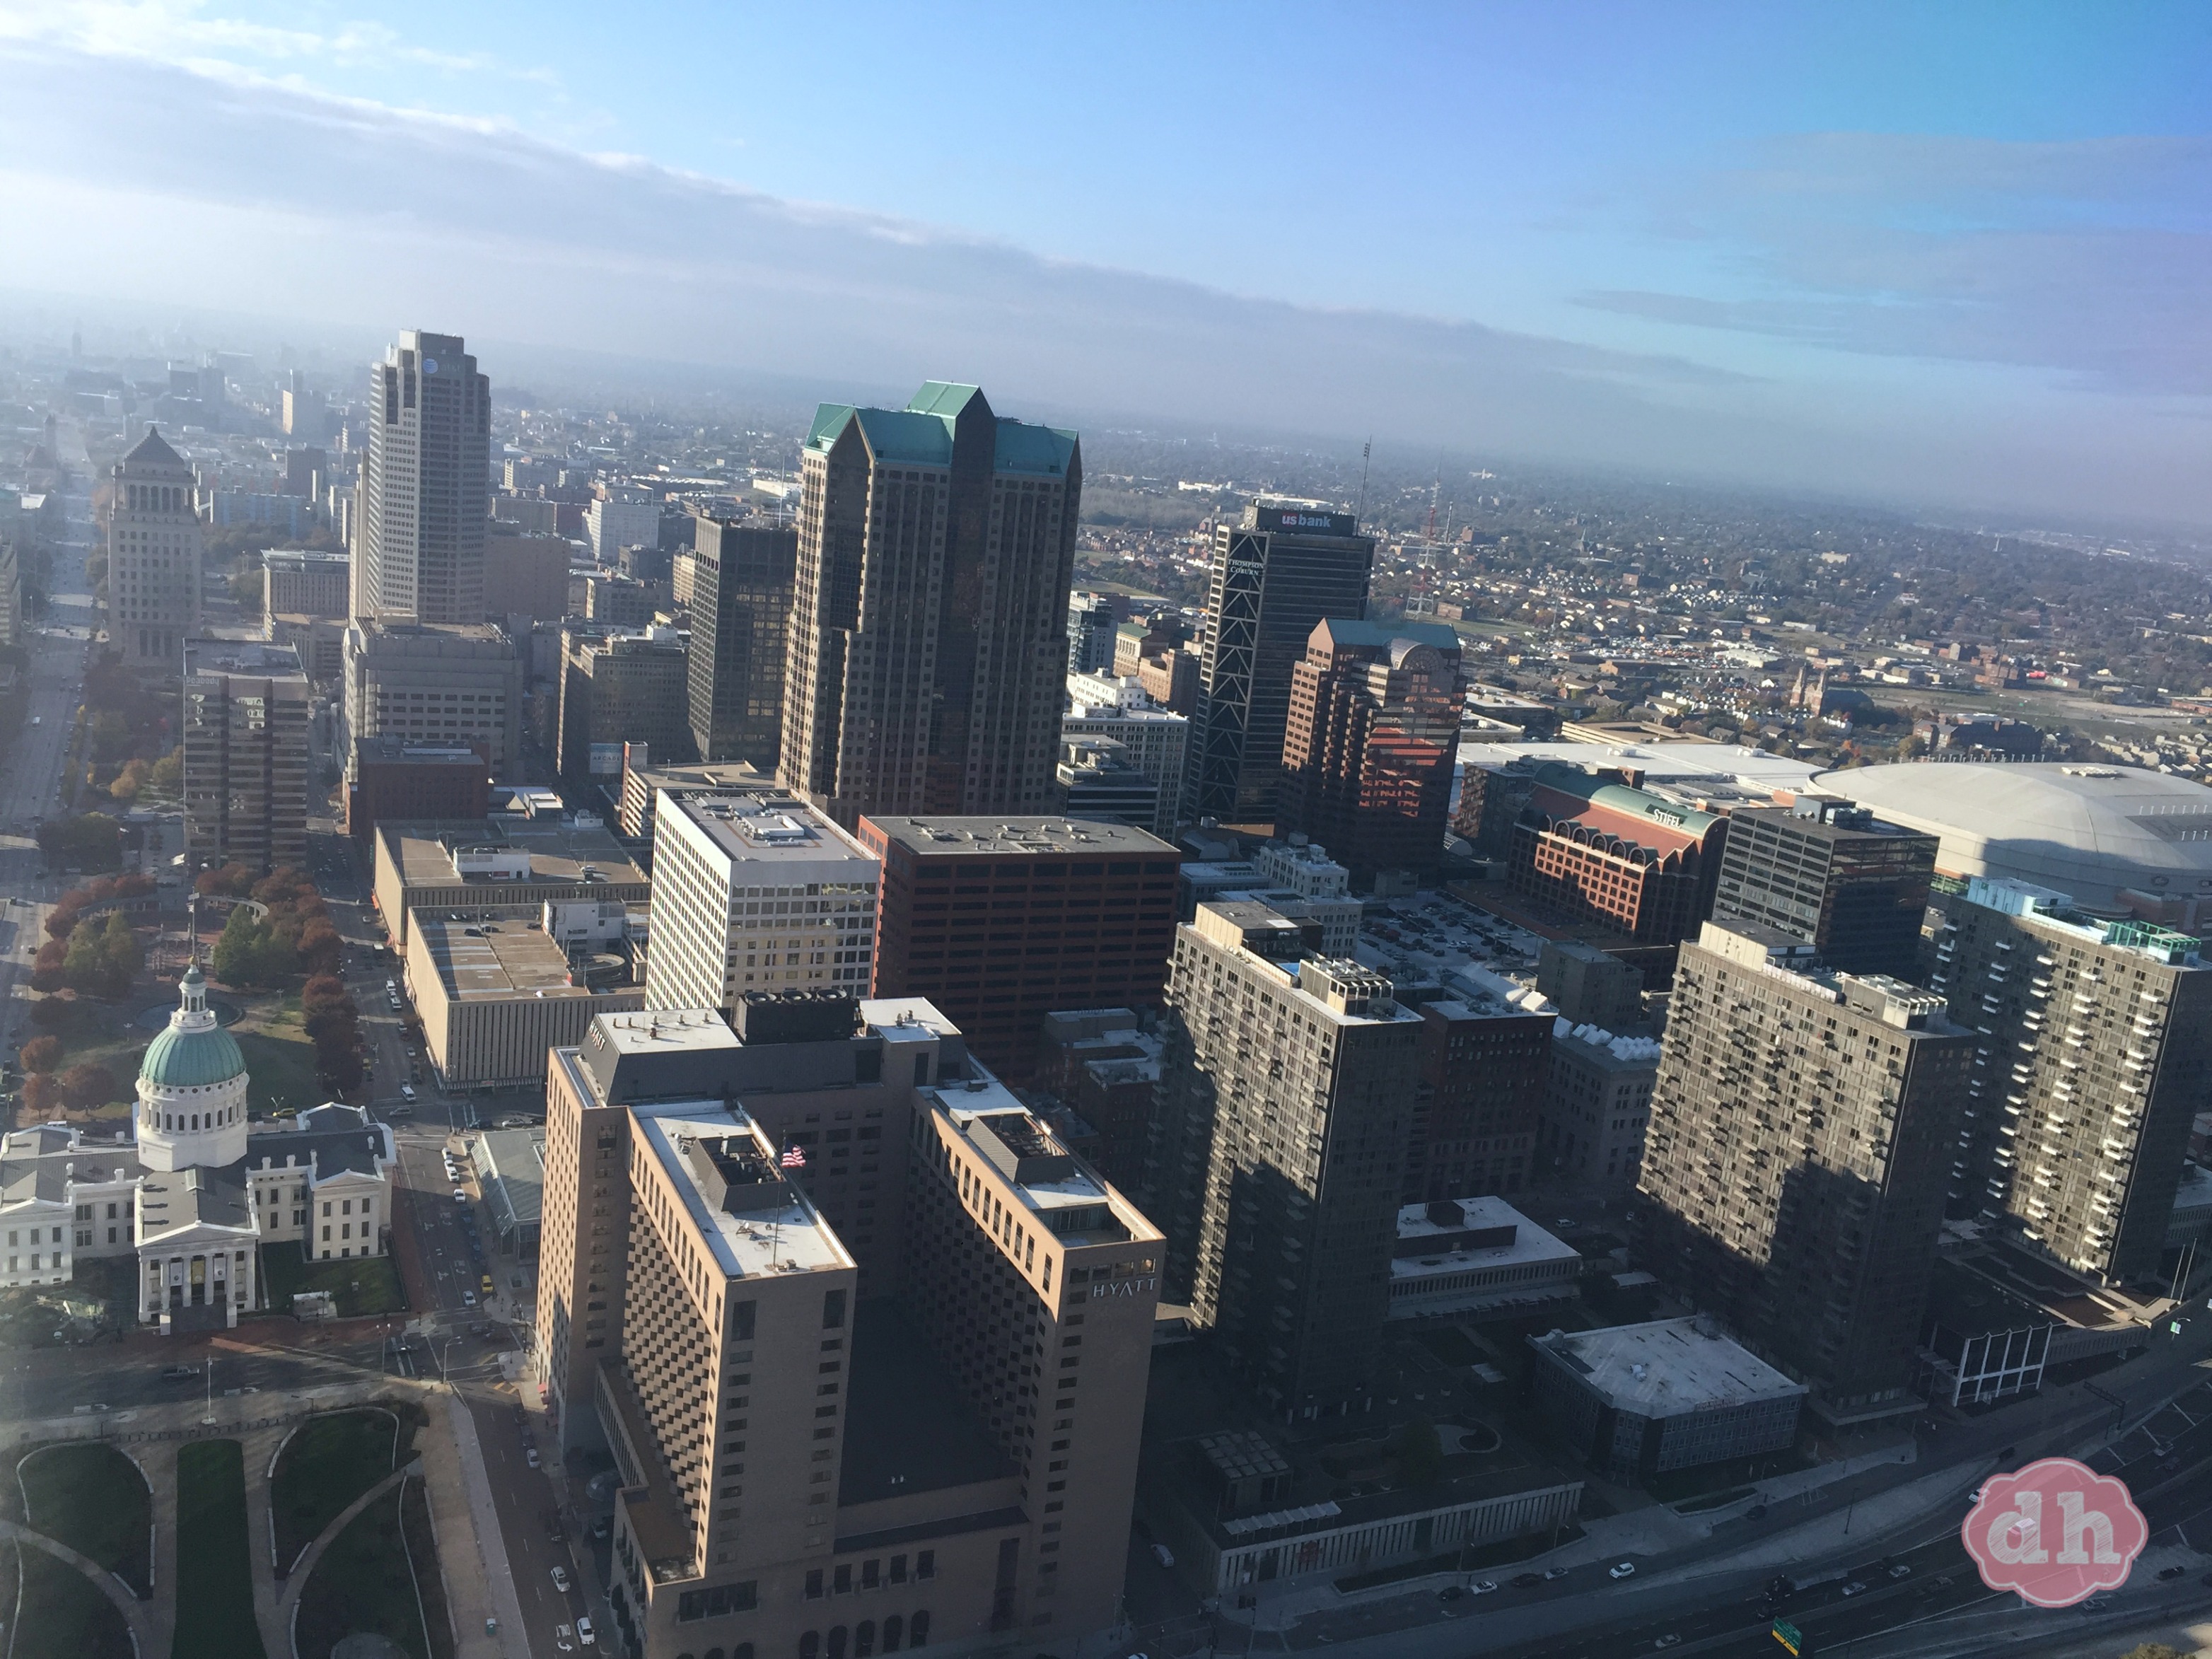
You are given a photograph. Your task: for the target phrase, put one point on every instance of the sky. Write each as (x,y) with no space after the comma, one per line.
(1948,255)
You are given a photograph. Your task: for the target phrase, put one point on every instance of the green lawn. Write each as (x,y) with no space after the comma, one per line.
(215,1575)
(280,1067)
(331,1462)
(62,1616)
(91,1497)
(362,1284)
(363,1583)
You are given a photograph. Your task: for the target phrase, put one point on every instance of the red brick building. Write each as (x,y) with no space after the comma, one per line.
(1000,921)
(396,780)
(1594,850)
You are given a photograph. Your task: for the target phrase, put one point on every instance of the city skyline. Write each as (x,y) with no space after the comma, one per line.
(1825,288)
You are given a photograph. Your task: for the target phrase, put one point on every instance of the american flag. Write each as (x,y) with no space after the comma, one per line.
(795,1157)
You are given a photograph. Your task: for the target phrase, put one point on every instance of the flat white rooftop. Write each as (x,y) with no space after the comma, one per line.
(1750,766)
(786,1238)
(1476,1241)
(1670,1365)
(765,829)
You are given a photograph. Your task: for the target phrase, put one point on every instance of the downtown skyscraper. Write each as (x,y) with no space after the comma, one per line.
(1277,574)
(419,556)
(928,644)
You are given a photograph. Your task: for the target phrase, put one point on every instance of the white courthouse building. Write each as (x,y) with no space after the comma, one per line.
(195,1190)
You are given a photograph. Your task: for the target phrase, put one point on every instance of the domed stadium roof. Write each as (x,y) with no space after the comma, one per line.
(2087,830)
(194,1051)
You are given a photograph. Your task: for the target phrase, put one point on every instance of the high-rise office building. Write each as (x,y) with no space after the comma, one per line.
(1277,573)
(433,684)
(1832,874)
(154,549)
(1093,619)
(1287,1094)
(1157,739)
(1597,1107)
(296,581)
(756,890)
(1099,780)
(928,640)
(741,576)
(617,686)
(1794,1160)
(1000,922)
(2093,1055)
(1478,1103)
(1370,745)
(611,526)
(839,1435)
(245,744)
(425,480)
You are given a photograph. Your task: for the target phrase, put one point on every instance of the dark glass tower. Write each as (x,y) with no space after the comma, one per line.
(1276,575)
(1833,875)
(740,612)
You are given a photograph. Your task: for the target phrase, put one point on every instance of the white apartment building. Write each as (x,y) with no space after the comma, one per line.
(755,890)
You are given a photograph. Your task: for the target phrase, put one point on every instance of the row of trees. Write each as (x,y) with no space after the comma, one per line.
(296,936)
(97,959)
(93,840)
(80,1088)
(334,1026)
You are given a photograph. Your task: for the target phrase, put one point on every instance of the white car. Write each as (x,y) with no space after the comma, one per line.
(1622,1569)
(1482,1587)
(584,1632)
(560,1579)
(1164,1555)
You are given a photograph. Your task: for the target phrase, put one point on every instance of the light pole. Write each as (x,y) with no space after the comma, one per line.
(208,1421)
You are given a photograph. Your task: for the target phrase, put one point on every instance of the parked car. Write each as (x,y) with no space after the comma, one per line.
(1551,1573)
(1482,1587)
(584,1631)
(1526,1580)
(2171,1572)
(1622,1569)
(179,1373)
(1164,1555)
(1855,1587)
(530,1456)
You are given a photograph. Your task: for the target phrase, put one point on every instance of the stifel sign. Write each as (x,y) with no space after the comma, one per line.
(2056,1532)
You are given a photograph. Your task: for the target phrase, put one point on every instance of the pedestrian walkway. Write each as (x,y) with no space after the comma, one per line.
(461,1506)
(137,1615)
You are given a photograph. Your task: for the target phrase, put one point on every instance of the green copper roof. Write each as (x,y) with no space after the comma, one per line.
(190,1058)
(921,435)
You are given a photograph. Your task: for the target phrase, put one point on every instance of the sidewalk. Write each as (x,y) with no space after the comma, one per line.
(461,1506)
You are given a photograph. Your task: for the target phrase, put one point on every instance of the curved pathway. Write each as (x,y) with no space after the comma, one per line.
(296,1582)
(132,1610)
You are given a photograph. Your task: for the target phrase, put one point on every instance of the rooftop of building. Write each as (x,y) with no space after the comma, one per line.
(921,435)
(1595,1047)
(381,636)
(1452,1236)
(1769,950)
(561,852)
(1754,769)
(1002,837)
(1669,1366)
(1379,635)
(299,558)
(1601,791)
(209,658)
(388,748)
(908,1428)
(759,1222)
(1343,990)
(494,961)
(511,1170)
(2054,913)
(764,826)
(2089,829)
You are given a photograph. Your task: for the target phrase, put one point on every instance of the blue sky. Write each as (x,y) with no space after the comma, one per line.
(1950,253)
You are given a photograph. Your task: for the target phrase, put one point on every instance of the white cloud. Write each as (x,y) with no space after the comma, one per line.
(132,178)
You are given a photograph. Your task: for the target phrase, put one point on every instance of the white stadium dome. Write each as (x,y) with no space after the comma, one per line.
(2089,830)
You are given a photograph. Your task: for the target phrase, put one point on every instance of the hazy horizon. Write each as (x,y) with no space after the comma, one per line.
(1886,264)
